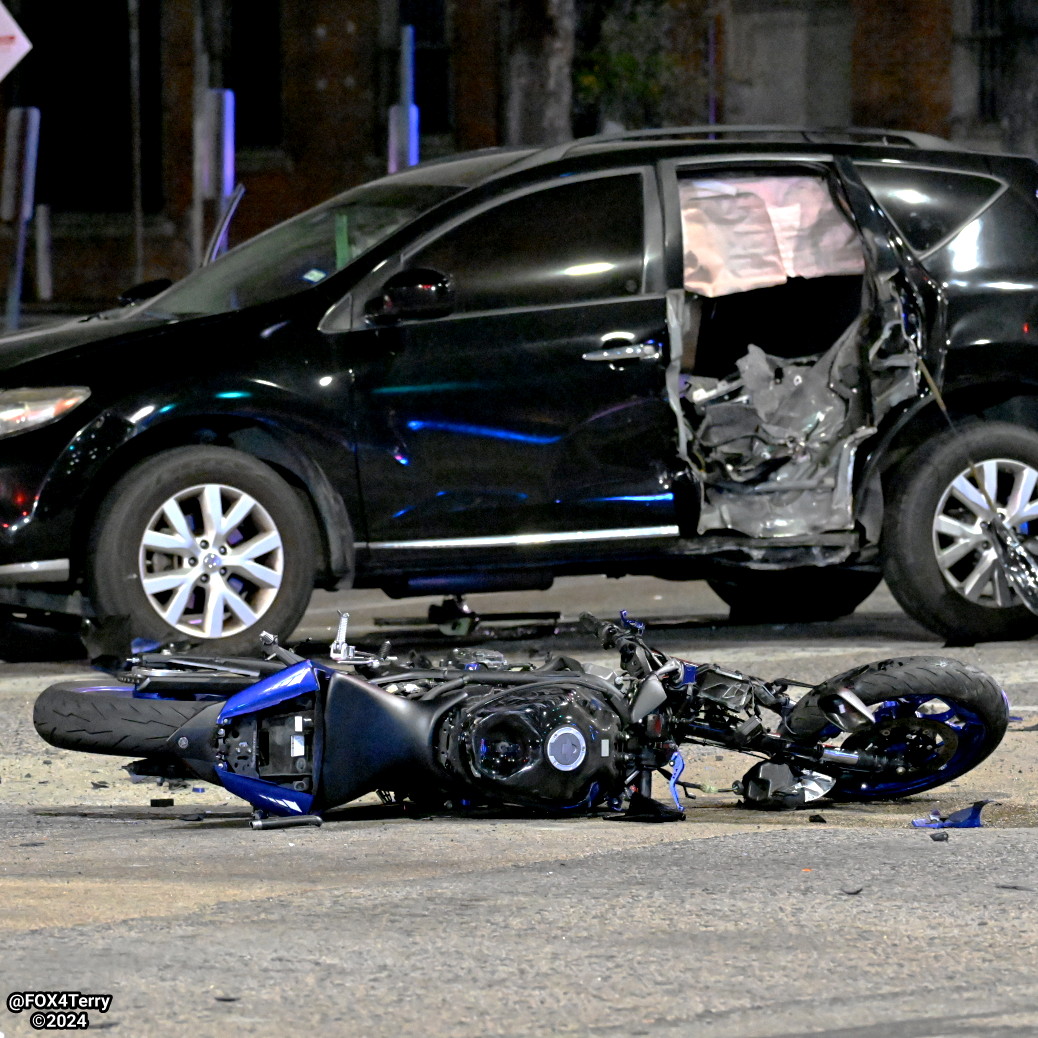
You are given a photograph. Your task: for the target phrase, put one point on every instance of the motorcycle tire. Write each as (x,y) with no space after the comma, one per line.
(937,561)
(83,717)
(789,596)
(940,716)
(206,546)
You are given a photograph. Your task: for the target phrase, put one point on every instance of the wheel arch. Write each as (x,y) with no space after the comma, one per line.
(274,447)
(1006,398)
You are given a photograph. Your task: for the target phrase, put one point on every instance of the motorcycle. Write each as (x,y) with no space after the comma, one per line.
(297,737)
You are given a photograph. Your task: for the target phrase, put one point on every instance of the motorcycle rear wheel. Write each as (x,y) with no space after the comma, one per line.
(81,716)
(940,716)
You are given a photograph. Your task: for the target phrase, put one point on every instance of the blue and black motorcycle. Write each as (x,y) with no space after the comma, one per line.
(299,737)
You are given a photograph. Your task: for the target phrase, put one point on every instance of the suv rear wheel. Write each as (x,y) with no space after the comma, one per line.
(938,560)
(203,545)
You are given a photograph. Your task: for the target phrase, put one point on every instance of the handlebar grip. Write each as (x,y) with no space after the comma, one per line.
(607,633)
(603,630)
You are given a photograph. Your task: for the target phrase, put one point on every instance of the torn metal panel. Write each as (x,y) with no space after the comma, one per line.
(679,330)
(779,439)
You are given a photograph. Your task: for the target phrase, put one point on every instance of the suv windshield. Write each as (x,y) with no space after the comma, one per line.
(299,253)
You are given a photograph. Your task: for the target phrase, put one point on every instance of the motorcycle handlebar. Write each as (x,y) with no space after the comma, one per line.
(635,656)
(605,631)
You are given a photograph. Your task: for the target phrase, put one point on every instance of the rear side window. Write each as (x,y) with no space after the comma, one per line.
(581,241)
(928,205)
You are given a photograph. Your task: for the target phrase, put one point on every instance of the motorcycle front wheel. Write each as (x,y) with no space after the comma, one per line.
(936,719)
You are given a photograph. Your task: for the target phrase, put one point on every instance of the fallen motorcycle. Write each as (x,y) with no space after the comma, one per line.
(296,737)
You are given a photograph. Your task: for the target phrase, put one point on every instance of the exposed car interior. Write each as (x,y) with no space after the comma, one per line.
(764,253)
(773,274)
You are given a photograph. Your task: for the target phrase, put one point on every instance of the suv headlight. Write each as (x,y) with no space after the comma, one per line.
(24,409)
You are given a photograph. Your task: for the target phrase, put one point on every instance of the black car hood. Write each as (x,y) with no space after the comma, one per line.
(18,347)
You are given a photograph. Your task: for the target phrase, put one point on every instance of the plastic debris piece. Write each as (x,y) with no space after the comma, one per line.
(820,818)
(965,818)
(99,785)
(198,789)
(161,801)
(939,837)
(677,764)
(852,891)
(139,645)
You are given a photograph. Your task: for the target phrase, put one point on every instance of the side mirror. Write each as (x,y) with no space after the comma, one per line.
(145,290)
(412,294)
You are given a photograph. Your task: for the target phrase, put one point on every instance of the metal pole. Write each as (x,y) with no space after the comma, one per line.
(133,9)
(202,150)
(44,266)
(711,70)
(403,116)
(18,197)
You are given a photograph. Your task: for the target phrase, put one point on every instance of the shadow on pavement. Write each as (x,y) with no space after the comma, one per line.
(29,643)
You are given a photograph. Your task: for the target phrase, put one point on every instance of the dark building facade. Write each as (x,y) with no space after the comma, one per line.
(132,167)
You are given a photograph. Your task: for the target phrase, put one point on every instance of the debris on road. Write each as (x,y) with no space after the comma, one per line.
(965,818)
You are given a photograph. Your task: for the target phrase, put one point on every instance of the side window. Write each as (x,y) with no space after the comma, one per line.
(580,241)
(928,205)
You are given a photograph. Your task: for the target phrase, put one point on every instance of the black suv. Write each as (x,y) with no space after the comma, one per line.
(694,353)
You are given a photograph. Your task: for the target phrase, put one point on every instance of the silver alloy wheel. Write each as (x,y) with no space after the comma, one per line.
(963,549)
(211,561)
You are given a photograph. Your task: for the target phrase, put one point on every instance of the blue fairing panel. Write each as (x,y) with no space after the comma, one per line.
(270,691)
(268,796)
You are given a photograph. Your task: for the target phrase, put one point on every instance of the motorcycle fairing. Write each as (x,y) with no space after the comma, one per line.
(271,691)
(376,740)
(267,796)
(276,690)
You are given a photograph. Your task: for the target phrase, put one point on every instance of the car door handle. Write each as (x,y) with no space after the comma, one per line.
(643,351)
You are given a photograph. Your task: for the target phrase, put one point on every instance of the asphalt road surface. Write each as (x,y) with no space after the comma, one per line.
(733,924)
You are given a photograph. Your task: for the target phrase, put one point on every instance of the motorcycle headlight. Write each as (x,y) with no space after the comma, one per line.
(24,409)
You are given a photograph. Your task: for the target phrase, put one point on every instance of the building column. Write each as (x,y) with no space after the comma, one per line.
(901,65)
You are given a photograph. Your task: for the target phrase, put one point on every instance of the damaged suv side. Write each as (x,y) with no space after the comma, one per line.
(824,307)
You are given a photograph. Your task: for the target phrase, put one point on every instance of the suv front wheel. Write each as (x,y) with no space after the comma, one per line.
(938,559)
(203,545)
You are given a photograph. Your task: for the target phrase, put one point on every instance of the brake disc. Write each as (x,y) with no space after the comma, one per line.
(914,743)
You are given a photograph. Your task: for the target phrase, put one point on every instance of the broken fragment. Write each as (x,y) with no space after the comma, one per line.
(965,818)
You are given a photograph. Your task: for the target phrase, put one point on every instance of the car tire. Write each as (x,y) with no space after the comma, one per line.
(801,595)
(936,561)
(206,546)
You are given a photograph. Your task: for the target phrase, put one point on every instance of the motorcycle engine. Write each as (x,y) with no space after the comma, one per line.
(548,745)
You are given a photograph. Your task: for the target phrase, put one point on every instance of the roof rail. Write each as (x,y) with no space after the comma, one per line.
(812,135)
(720,131)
